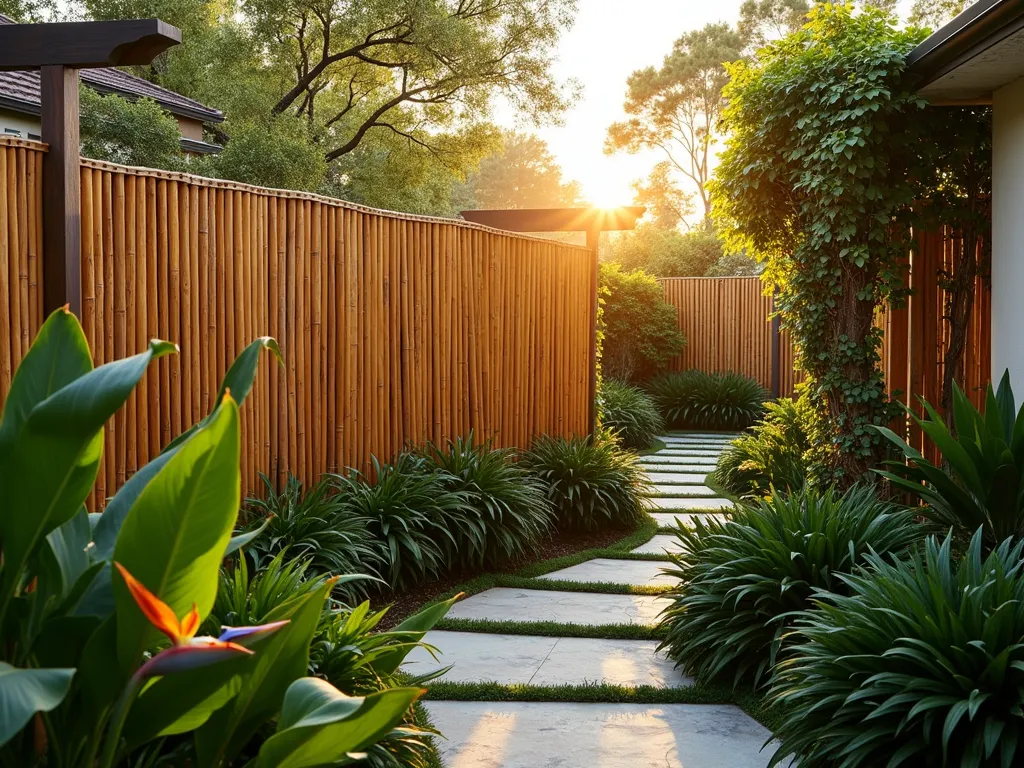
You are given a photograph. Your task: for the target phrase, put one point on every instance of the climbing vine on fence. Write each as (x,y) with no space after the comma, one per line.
(814,181)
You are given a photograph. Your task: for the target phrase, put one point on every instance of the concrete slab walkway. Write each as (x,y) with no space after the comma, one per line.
(567,734)
(529,660)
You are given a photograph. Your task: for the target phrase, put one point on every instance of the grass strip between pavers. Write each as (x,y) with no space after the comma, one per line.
(511,581)
(552,629)
(602,693)
(656,446)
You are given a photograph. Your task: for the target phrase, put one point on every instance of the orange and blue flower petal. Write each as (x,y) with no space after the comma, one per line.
(250,634)
(153,608)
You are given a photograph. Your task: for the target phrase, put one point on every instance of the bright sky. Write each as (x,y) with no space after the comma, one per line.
(610,40)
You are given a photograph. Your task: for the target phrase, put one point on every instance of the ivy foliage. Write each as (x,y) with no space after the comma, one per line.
(816,181)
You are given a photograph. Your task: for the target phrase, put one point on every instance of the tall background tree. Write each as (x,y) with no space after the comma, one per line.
(522,174)
(675,108)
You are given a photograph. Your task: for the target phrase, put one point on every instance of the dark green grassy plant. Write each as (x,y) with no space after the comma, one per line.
(742,577)
(592,483)
(771,455)
(913,662)
(980,480)
(694,399)
(411,510)
(247,597)
(512,513)
(630,414)
(317,526)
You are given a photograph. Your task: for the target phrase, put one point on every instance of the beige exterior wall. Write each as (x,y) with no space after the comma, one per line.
(15,121)
(1008,232)
(190,129)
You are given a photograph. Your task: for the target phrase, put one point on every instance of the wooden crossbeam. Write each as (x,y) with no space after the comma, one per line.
(84,44)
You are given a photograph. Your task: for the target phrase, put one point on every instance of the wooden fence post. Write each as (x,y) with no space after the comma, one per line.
(62,227)
(593,241)
(776,352)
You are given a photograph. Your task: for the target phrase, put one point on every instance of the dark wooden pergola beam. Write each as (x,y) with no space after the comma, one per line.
(58,51)
(593,221)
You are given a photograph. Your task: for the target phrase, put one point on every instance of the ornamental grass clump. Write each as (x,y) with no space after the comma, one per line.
(741,578)
(511,511)
(412,512)
(694,399)
(912,662)
(592,483)
(630,414)
(772,455)
(315,525)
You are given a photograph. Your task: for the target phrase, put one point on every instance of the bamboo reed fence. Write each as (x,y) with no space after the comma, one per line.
(394,329)
(727,324)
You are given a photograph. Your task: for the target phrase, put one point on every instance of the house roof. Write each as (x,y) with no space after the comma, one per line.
(976,53)
(19,91)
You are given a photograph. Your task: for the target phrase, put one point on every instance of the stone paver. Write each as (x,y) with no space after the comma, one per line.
(640,573)
(568,735)
(711,502)
(677,478)
(695,452)
(662,543)
(691,491)
(699,436)
(668,519)
(521,659)
(658,459)
(506,604)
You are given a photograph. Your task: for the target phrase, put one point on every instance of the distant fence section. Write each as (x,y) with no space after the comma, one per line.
(727,325)
(395,329)
(726,321)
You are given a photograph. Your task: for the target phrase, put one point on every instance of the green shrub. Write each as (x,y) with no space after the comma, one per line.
(694,399)
(772,454)
(357,660)
(511,512)
(318,526)
(410,509)
(630,414)
(914,662)
(741,578)
(979,483)
(641,333)
(592,483)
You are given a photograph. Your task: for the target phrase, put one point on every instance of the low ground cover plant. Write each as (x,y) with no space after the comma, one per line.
(772,454)
(512,511)
(915,661)
(591,483)
(741,578)
(695,399)
(978,483)
(630,414)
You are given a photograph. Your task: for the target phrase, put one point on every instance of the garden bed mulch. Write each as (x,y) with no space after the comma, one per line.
(410,601)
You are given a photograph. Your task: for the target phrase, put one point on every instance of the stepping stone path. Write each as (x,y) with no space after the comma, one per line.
(566,734)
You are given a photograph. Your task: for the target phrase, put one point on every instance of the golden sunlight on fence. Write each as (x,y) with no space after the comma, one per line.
(395,329)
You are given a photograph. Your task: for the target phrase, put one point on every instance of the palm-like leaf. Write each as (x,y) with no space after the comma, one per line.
(982,486)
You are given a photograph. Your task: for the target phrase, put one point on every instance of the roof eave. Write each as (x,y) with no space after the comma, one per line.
(972,32)
(204,116)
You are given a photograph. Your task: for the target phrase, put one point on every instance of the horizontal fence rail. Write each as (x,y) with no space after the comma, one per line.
(394,329)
